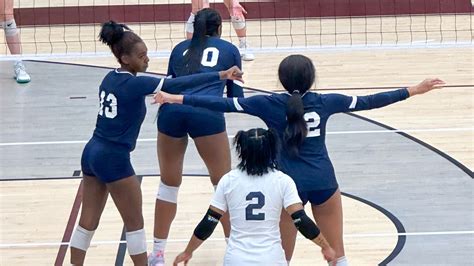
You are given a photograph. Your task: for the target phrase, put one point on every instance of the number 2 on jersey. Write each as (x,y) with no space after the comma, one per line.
(312,122)
(249,214)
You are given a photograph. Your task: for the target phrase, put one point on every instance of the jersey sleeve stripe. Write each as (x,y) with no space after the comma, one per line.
(160,85)
(237,104)
(353,103)
(238,83)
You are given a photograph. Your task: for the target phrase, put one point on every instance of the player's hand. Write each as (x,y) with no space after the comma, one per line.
(164,97)
(237,10)
(182,257)
(329,255)
(233,73)
(425,86)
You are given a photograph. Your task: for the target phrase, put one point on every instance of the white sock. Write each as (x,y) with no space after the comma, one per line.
(227,240)
(342,261)
(242,39)
(159,244)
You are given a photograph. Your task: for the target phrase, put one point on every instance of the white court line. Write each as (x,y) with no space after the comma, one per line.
(185,240)
(231,136)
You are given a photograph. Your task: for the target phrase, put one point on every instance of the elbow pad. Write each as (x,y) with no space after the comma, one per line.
(305,225)
(207,225)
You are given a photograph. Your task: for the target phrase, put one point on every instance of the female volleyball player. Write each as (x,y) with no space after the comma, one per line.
(203,53)
(254,195)
(7,22)
(237,18)
(300,116)
(106,157)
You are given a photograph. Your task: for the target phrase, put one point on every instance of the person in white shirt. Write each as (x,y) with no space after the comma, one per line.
(254,194)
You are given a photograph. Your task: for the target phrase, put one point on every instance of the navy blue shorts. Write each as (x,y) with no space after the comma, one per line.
(316,197)
(176,120)
(107,161)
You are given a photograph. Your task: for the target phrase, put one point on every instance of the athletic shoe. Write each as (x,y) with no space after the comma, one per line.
(156,258)
(245,54)
(20,73)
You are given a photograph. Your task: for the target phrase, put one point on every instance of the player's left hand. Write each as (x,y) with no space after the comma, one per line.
(237,10)
(426,86)
(182,257)
(329,255)
(233,73)
(164,97)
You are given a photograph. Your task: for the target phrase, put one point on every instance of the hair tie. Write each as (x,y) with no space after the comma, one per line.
(295,91)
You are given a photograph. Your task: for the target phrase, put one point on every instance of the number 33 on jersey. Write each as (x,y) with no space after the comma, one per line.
(107,105)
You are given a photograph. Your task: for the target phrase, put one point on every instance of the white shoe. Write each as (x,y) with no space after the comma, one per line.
(156,258)
(20,73)
(245,54)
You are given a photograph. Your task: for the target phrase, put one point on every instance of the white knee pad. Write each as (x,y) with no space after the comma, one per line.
(190,23)
(10,27)
(81,239)
(167,193)
(136,242)
(238,22)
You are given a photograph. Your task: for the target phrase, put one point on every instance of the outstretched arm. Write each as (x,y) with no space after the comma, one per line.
(337,103)
(203,230)
(255,105)
(176,85)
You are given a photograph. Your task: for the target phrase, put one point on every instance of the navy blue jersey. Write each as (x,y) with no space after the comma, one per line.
(217,55)
(312,168)
(122,102)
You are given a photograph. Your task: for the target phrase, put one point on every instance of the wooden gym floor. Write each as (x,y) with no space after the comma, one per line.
(408,193)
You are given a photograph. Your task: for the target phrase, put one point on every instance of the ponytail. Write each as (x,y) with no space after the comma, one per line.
(297,74)
(112,32)
(119,37)
(296,129)
(193,56)
(206,23)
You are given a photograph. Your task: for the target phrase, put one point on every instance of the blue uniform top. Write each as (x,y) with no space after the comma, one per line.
(312,168)
(122,102)
(217,55)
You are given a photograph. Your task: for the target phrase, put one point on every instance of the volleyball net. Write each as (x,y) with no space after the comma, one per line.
(70,27)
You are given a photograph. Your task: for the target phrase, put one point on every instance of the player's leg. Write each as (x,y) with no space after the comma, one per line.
(237,17)
(93,201)
(127,196)
(11,31)
(288,233)
(215,152)
(196,5)
(328,216)
(12,36)
(171,152)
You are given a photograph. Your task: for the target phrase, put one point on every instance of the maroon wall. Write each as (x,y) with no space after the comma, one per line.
(256,10)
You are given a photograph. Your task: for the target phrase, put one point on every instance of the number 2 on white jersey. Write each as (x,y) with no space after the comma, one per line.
(312,122)
(249,214)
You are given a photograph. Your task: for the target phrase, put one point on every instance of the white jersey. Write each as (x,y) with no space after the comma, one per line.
(254,204)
